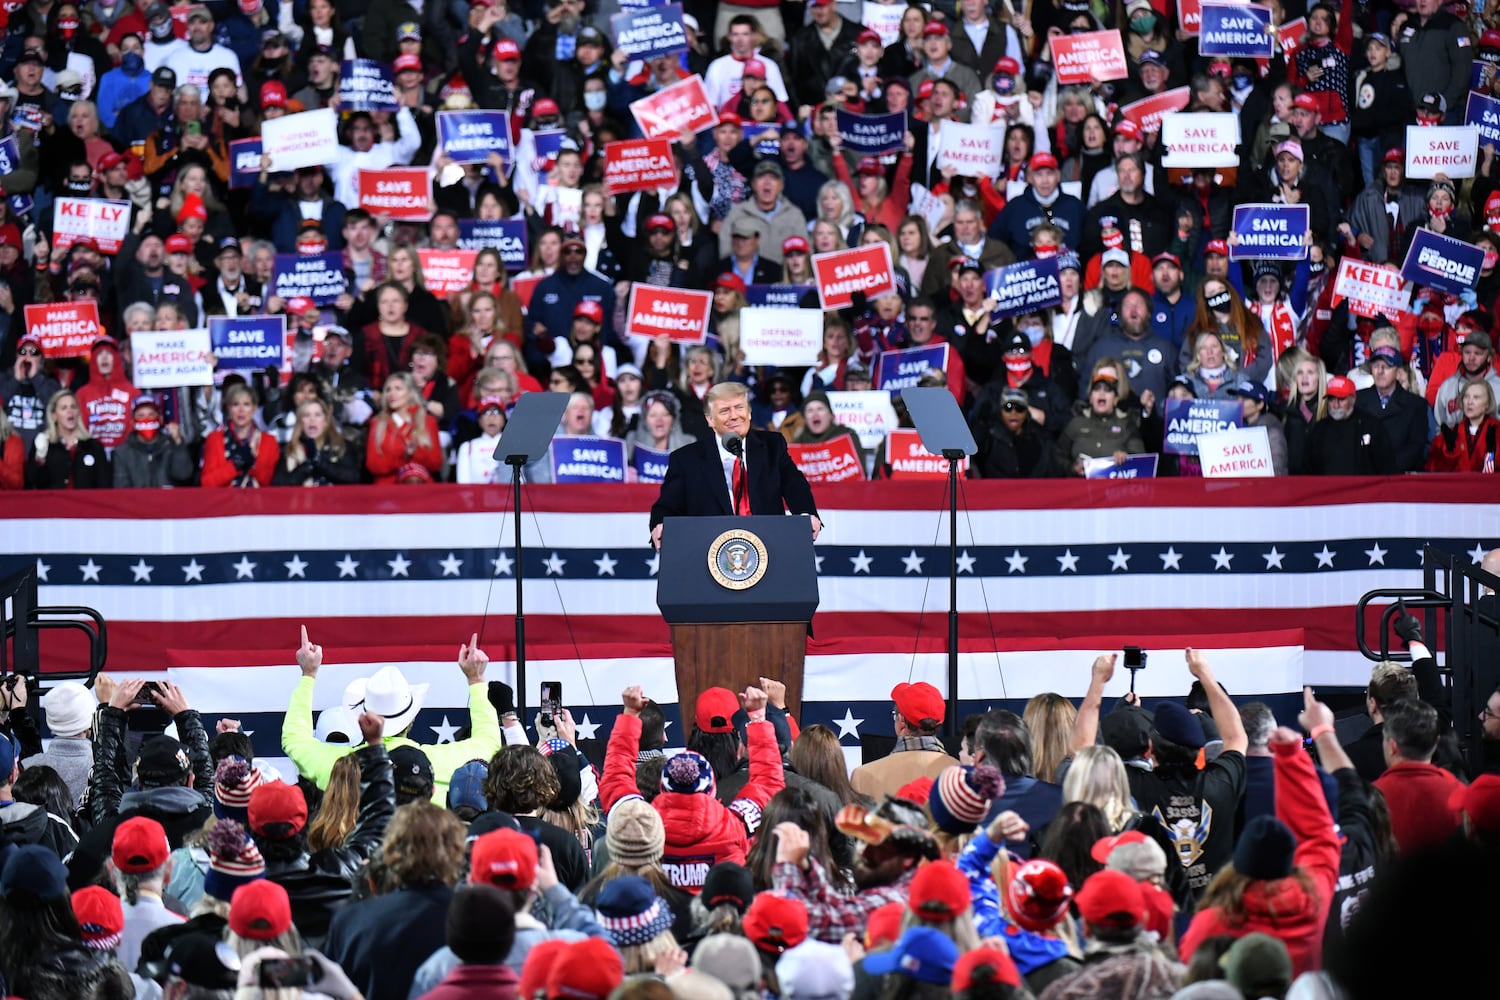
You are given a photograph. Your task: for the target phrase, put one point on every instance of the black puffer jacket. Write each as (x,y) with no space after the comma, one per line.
(321,883)
(67,973)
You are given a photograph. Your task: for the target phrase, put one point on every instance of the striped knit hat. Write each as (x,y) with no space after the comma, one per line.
(233,860)
(234,780)
(631,911)
(100,917)
(688,772)
(960,798)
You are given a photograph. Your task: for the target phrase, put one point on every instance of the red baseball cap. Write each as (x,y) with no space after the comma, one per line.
(1007,66)
(996,965)
(140,846)
(714,710)
(775,922)
(660,221)
(178,243)
(507,51)
(260,910)
(1339,387)
(755,68)
(1129,128)
(918,701)
(300,305)
(1043,161)
(1394,156)
(1216,246)
(545,107)
(111,160)
(729,118)
(869,35)
(10,235)
(277,803)
(1480,801)
(795,244)
(939,891)
(1111,899)
(1490,39)
(504,858)
(1306,102)
(869,167)
(100,916)
(585,970)
(273,94)
(935,29)
(589,309)
(407,62)
(1166,257)
(883,925)
(490,403)
(733,282)
(924,90)
(538,965)
(1104,845)
(86,243)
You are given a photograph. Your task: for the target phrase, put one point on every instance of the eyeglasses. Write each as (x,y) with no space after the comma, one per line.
(572,251)
(1485,714)
(1013,407)
(29,352)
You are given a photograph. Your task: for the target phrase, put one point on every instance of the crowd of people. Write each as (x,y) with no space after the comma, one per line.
(137,103)
(1201,849)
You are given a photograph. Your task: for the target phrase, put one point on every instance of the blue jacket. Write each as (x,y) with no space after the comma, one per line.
(552,304)
(118,89)
(138,119)
(1170,322)
(1029,951)
(1033,800)
(1024,213)
(282,210)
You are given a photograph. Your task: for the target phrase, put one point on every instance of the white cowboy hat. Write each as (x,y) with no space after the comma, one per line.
(388,694)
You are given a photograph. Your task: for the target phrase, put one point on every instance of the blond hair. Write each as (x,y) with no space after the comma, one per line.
(1098,778)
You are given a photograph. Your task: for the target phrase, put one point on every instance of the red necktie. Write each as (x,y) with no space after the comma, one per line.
(741,494)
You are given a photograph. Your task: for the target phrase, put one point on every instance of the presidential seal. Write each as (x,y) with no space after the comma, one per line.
(737,559)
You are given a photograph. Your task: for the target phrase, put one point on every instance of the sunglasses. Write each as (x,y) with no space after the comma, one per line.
(572,251)
(1013,407)
(29,352)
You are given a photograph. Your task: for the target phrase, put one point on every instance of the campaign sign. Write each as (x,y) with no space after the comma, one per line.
(1189,16)
(1481,75)
(1241,453)
(506,235)
(646,34)
(884,19)
(899,370)
(587,460)
(1023,287)
(171,358)
(684,106)
(649,464)
(67,329)
(306,139)
(781,296)
(868,413)
(403,193)
(841,273)
(1269,232)
(21,205)
(247,343)
(1188,419)
(1201,139)
(1482,112)
(1236,31)
(829,462)
(244,163)
(318,276)
(105,222)
(909,460)
(1372,290)
(525,286)
(471,136)
(1441,149)
(10,155)
(873,135)
(1148,112)
(972,150)
(546,144)
(1134,467)
(1442,262)
(764,139)
(367,85)
(1289,37)
(780,337)
(639,4)
(679,313)
(1089,57)
(639,165)
(447,271)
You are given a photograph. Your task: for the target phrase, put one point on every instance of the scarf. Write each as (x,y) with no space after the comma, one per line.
(729,186)
(239,454)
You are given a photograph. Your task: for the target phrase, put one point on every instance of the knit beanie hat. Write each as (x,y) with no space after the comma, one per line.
(69,708)
(476,914)
(686,773)
(631,911)
(1265,850)
(234,780)
(568,767)
(960,798)
(635,834)
(233,860)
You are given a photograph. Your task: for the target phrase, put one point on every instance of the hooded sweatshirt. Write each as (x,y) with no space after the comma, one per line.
(106,400)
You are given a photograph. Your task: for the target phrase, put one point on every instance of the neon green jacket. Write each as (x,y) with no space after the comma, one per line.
(315,759)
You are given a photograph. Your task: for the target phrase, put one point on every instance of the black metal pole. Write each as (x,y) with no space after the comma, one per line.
(515,478)
(953,457)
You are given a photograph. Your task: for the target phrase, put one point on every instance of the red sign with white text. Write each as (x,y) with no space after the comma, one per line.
(829,462)
(67,329)
(841,273)
(447,271)
(524,286)
(684,105)
(1190,15)
(1290,36)
(403,193)
(1371,289)
(1149,111)
(678,313)
(639,165)
(909,460)
(1089,57)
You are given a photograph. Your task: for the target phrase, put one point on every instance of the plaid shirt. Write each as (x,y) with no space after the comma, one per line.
(832,912)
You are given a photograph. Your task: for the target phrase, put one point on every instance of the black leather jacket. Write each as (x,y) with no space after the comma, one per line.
(111,778)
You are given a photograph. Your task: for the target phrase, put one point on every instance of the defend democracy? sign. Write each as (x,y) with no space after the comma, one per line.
(772,336)
(1024,287)
(1442,262)
(1269,232)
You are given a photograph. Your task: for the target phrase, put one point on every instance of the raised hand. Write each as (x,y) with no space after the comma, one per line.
(473,660)
(309,656)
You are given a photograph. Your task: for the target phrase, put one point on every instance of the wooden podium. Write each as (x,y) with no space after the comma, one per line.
(738,593)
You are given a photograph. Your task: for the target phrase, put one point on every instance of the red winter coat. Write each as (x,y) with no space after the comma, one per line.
(1283,909)
(1457,449)
(1417,795)
(385,455)
(700,830)
(217,470)
(106,401)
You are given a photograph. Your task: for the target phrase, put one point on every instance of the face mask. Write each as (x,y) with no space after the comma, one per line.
(80,187)
(132,63)
(594,100)
(1243,81)
(1220,302)
(1315,267)
(162,32)
(1033,334)
(148,428)
(1018,365)
(1491,258)
(67,27)
(1143,24)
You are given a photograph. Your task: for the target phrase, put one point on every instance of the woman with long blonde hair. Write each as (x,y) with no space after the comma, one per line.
(1305,377)
(339,810)
(403,444)
(316,454)
(1049,717)
(1222,310)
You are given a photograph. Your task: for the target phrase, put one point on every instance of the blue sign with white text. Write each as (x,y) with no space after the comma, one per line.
(650,465)
(764,139)
(366,85)
(873,135)
(506,235)
(1188,418)
(646,34)
(1484,114)
(244,163)
(1134,467)
(1024,287)
(899,370)
(248,343)
(588,460)
(1235,31)
(318,276)
(470,136)
(1269,232)
(1442,262)
(785,296)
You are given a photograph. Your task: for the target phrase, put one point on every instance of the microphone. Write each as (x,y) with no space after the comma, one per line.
(733,443)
